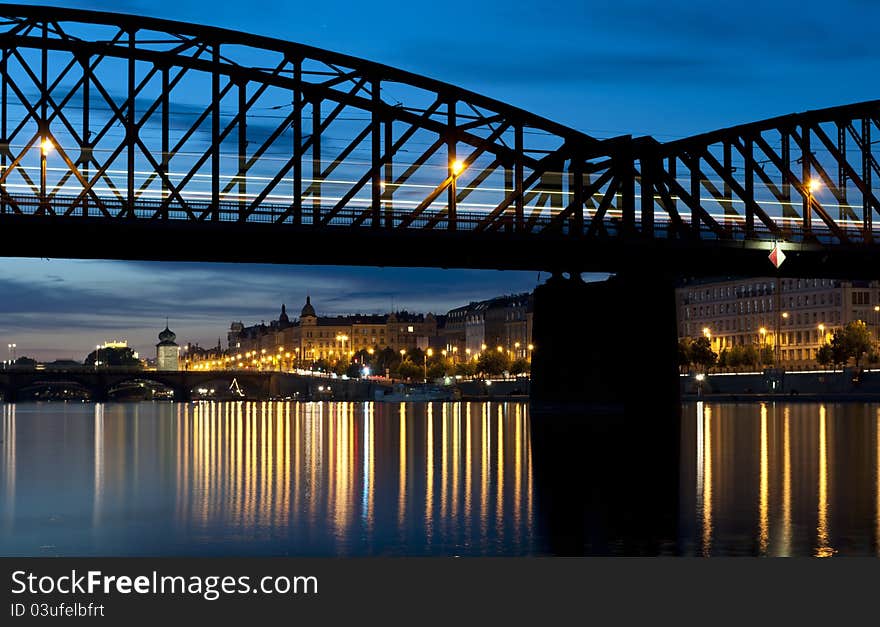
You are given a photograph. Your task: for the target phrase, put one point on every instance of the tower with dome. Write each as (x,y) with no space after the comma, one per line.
(167,351)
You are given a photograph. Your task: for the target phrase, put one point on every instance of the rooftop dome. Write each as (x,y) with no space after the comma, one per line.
(308,310)
(283,317)
(167,336)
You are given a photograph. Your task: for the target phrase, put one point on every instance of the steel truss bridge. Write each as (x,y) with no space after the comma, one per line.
(129,137)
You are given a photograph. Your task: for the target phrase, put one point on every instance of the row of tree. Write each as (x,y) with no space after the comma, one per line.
(852,342)
(414,363)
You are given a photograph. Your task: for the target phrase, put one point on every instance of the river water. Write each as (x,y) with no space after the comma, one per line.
(328,479)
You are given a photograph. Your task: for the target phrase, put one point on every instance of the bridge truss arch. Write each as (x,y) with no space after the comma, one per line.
(115,116)
(240,147)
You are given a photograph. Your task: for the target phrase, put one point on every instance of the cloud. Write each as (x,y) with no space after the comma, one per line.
(62,308)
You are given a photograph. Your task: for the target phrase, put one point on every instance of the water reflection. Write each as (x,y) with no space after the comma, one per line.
(266,478)
(805,467)
(270,478)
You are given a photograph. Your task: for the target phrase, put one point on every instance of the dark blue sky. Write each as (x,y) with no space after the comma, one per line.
(667,69)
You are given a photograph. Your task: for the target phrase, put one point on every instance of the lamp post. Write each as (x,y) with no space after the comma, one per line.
(342,337)
(779,318)
(427,354)
(877,321)
(45,148)
(455,168)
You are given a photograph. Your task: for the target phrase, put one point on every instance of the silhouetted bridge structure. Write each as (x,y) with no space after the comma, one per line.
(149,135)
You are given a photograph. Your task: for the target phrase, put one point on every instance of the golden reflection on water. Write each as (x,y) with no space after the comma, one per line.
(786,483)
(429,474)
(706,492)
(401,494)
(99,463)
(764,498)
(9,465)
(793,467)
(822,547)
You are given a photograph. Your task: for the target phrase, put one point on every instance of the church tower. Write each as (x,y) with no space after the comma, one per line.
(167,351)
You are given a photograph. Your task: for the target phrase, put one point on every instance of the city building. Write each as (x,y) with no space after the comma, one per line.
(311,337)
(504,321)
(167,351)
(793,316)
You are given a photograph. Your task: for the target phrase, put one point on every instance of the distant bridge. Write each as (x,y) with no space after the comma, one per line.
(137,138)
(100,383)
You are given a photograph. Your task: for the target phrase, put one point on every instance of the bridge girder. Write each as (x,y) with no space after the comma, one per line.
(119,126)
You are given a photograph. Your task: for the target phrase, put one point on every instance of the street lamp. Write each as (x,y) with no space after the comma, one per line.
(342,337)
(45,148)
(428,353)
(12,350)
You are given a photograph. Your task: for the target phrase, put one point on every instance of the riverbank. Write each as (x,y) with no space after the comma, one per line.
(771,384)
(785,398)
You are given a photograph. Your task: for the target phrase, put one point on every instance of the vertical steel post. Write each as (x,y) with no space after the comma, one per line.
(807,193)
(242,149)
(518,176)
(44,127)
(166,148)
(867,208)
(376,156)
(215,131)
(297,141)
(451,156)
(4,141)
(317,174)
(86,150)
(130,126)
(749,186)
(577,196)
(388,192)
(695,194)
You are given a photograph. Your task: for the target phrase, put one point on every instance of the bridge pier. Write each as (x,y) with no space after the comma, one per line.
(605,414)
(182,394)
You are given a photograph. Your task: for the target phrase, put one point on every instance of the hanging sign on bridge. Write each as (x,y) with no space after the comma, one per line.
(776,255)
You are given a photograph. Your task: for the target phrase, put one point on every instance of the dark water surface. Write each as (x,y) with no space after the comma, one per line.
(292,478)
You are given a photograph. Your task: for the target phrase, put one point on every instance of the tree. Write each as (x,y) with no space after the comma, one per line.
(857,340)
(409,370)
(386,359)
(322,365)
(702,353)
(751,356)
(25,362)
(684,352)
(839,349)
(493,362)
(825,355)
(436,370)
(465,369)
(520,366)
(768,355)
